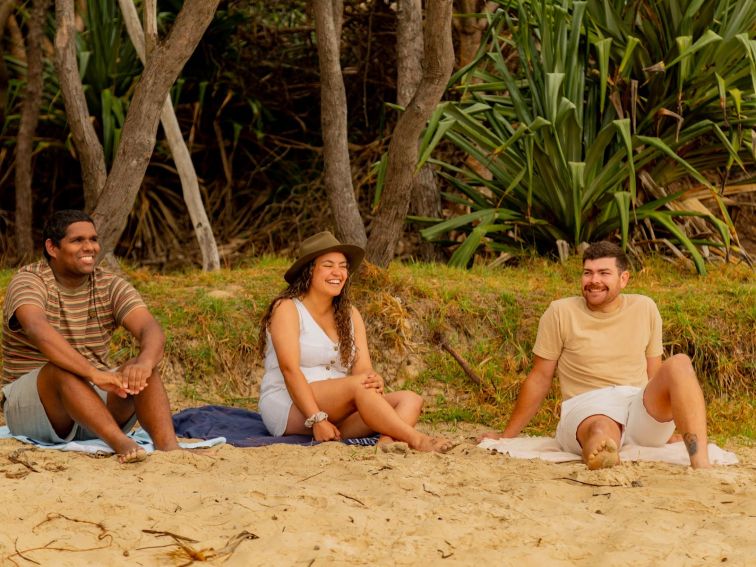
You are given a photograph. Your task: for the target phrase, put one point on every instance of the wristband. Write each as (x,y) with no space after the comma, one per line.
(315,418)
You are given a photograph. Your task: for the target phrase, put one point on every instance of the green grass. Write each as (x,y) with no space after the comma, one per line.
(489,316)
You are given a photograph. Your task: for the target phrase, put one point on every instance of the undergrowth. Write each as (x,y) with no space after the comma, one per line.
(489,316)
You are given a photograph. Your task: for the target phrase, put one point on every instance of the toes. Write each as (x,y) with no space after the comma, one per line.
(136,455)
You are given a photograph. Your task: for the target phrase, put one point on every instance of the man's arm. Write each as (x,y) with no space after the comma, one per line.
(653,364)
(60,353)
(532,393)
(148,333)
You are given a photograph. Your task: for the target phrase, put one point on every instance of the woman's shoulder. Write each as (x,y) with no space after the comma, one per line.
(284,306)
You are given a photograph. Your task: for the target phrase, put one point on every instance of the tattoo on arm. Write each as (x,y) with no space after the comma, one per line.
(691,443)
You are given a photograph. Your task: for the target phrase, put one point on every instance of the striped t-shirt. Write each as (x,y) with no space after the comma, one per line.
(86,316)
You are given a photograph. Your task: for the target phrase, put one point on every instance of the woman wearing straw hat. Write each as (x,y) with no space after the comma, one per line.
(318,376)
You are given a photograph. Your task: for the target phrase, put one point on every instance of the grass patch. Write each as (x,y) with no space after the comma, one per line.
(489,316)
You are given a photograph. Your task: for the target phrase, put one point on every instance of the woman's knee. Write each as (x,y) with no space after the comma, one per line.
(412,400)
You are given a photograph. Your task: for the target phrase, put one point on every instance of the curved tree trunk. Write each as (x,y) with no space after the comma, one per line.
(426,198)
(181,156)
(27,129)
(88,147)
(438,60)
(333,108)
(140,128)
(6,7)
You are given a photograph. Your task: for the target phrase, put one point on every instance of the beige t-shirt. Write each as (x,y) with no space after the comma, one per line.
(596,350)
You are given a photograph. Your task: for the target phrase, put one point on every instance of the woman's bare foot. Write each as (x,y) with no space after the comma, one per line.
(426,443)
(604,456)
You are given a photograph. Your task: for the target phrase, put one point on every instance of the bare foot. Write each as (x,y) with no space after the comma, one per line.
(426,443)
(398,447)
(135,455)
(604,456)
(384,440)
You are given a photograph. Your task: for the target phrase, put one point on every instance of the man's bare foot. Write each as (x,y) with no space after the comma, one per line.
(604,456)
(128,451)
(135,455)
(426,443)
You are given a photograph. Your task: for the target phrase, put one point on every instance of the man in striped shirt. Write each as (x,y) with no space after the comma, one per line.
(58,319)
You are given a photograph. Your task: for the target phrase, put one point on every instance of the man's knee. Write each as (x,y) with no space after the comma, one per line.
(52,376)
(681,364)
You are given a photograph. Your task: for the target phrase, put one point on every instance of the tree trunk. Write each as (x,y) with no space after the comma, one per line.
(143,43)
(28,128)
(438,60)
(470,29)
(140,128)
(6,7)
(333,109)
(88,147)
(426,198)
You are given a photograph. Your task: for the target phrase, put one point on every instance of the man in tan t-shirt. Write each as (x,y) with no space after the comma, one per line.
(606,348)
(59,316)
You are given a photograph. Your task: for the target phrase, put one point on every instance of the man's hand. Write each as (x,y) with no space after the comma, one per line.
(135,374)
(373,380)
(326,431)
(110,382)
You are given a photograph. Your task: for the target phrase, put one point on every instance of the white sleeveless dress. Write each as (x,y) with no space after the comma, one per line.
(319,359)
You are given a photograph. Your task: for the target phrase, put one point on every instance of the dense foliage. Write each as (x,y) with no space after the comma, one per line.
(583,120)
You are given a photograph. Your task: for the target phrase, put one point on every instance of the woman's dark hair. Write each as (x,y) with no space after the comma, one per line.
(342,312)
(57,226)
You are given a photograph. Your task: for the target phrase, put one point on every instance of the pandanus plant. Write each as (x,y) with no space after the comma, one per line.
(589,120)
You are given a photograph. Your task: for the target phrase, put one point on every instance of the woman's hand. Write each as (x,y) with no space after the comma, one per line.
(373,380)
(326,431)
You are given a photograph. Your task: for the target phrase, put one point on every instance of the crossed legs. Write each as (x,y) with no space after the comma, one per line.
(68,399)
(673,394)
(358,411)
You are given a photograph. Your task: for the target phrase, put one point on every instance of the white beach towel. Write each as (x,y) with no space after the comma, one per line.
(547,449)
(99,446)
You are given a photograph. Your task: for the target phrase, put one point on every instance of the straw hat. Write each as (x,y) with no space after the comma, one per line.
(319,244)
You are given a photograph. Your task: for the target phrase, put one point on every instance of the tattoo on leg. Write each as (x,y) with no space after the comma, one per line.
(691,443)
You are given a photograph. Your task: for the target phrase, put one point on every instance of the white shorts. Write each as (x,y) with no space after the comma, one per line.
(25,414)
(623,404)
(274,409)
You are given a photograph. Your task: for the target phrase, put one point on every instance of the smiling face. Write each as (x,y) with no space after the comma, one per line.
(602,282)
(329,274)
(75,258)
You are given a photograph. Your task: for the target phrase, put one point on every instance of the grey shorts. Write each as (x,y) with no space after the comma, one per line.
(623,404)
(25,414)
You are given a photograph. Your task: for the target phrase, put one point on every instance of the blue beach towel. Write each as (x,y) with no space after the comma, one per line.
(99,446)
(240,427)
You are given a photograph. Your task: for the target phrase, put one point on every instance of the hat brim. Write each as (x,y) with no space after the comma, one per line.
(354,255)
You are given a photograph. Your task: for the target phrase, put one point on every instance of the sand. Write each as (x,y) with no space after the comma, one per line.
(339,505)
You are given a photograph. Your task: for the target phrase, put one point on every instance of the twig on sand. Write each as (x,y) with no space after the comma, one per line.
(587,483)
(352,498)
(170,534)
(201,555)
(18,457)
(311,476)
(49,546)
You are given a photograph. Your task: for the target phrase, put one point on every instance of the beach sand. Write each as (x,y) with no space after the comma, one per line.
(338,505)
